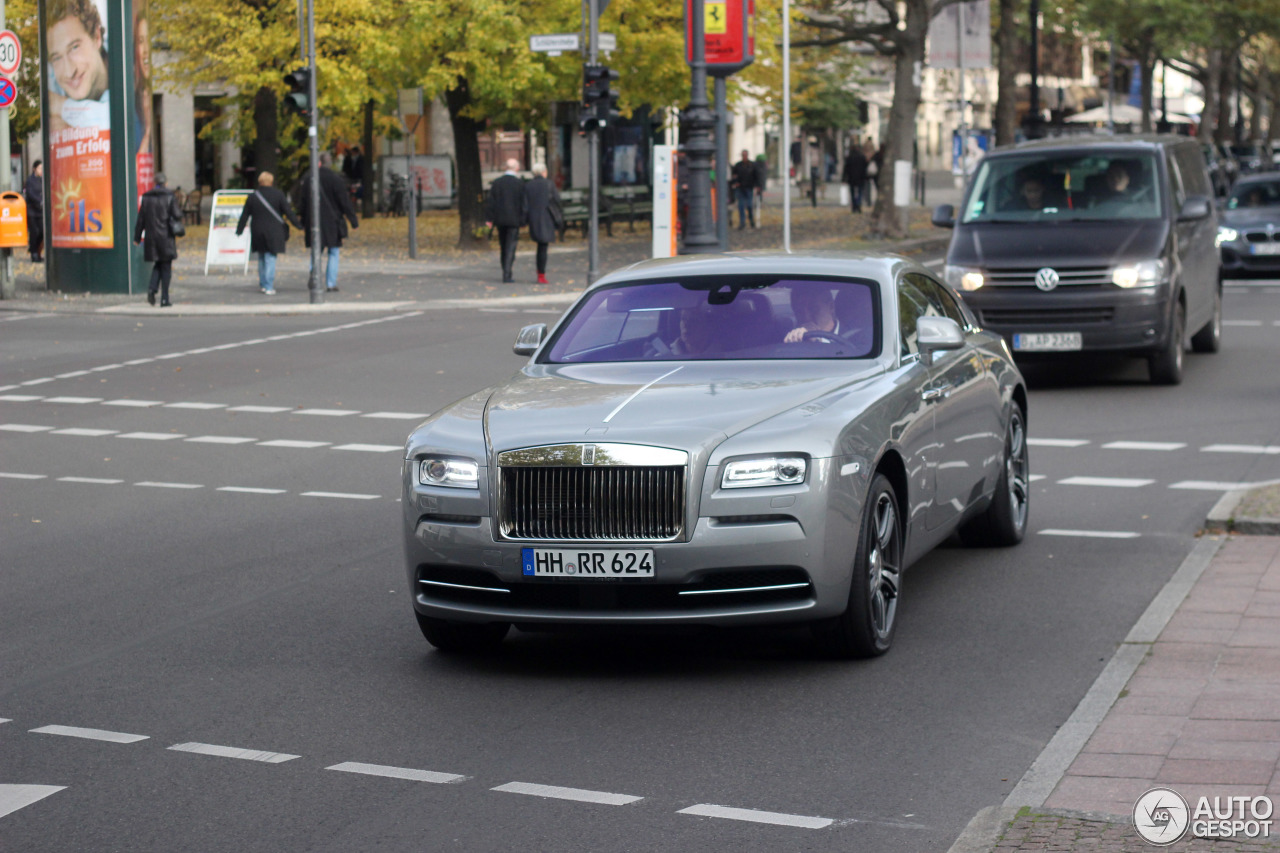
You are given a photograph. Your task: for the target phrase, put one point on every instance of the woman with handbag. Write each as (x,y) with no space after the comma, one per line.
(266,212)
(159,225)
(545,215)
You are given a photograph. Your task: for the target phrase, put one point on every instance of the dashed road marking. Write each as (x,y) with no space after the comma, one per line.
(89,734)
(78,401)
(155,485)
(24,428)
(197,406)
(1111,482)
(754,816)
(234,752)
(327,413)
(351,496)
(287,442)
(14,797)
(251,490)
(1144,445)
(95,480)
(398,773)
(396,416)
(13,476)
(1211,486)
(1091,534)
(21,398)
(89,433)
(265,410)
(221,439)
(1268,450)
(371,448)
(152,436)
(140,404)
(1056,442)
(556,792)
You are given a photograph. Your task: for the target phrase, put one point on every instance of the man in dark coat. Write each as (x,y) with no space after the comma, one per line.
(743,183)
(266,211)
(336,210)
(157,212)
(545,215)
(34,192)
(855,175)
(507,209)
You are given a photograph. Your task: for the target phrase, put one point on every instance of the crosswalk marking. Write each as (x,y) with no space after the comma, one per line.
(89,734)
(14,797)
(234,752)
(398,772)
(559,793)
(754,816)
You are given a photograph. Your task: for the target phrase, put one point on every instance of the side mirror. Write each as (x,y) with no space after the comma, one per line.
(935,334)
(529,339)
(1196,207)
(944,216)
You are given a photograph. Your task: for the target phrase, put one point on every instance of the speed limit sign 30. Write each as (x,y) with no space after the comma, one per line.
(10,52)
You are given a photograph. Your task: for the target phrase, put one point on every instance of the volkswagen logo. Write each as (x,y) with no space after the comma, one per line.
(1047,278)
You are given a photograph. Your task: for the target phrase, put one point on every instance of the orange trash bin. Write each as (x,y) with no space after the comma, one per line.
(13,221)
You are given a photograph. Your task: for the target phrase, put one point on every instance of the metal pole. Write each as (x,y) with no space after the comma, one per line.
(1111,84)
(593,157)
(722,164)
(700,147)
(964,126)
(412,190)
(313,280)
(786,126)
(7,288)
(1033,128)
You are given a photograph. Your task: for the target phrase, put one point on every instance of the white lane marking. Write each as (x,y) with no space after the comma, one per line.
(37,381)
(1210,486)
(8,387)
(1242,322)
(141,404)
(1112,482)
(1241,448)
(1035,477)
(268,410)
(234,752)
(1091,534)
(1144,445)
(286,442)
(221,439)
(558,793)
(249,490)
(139,361)
(98,480)
(398,772)
(152,436)
(104,367)
(370,448)
(155,485)
(754,816)
(74,400)
(93,433)
(12,476)
(89,734)
(24,428)
(1056,442)
(328,413)
(348,495)
(396,416)
(72,375)
(21,398)
(498,310)
(640,391)
(541,311)
(14,797)
(200,406)
(170,355)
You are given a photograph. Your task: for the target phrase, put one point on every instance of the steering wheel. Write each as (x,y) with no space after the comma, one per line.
(830,337)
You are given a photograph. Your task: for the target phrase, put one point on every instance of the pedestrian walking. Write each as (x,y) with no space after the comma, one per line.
(545,215)
(743,181)
(507,209)
(875,160)
(268,214)
(158,227)
(336,211)
(855,175)
(33,191)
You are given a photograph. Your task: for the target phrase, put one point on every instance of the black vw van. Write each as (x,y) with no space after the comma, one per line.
(1092,244)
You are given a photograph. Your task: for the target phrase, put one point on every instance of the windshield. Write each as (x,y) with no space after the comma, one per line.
(1064,186)
(722,317)
(1255,194)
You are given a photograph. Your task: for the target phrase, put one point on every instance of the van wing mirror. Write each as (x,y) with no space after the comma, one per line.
(529,339)
(1196,207)
(935,334)
(944,216)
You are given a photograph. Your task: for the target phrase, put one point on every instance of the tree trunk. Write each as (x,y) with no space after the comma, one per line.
(1222,132)
(1007,74)
(1259,100)
(1213,77)
(886,218)
(1147,67)
(1273,126)
(466,147)
(366,167)
(266,123)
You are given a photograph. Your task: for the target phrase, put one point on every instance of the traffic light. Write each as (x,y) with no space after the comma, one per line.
(600,101)
(299,98)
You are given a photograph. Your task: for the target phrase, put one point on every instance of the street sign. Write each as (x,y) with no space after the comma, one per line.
(10,52)
(8,92)
(729,33)
(608,41)
(554,43)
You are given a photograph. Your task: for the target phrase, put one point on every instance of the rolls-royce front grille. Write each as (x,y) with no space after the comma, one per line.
(610,503)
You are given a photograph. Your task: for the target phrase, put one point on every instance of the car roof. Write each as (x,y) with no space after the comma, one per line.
(879,266)
(1134,142)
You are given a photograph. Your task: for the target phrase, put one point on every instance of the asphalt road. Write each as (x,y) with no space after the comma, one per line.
(203,596)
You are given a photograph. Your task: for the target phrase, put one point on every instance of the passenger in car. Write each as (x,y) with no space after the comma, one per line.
(697,332)
(1031,192)
(1116,185)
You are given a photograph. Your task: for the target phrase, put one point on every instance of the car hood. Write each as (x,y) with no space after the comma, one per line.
(1043,244)
(1250,217)
(686,405)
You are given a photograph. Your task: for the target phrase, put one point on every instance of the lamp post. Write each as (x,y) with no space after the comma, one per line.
(700,147)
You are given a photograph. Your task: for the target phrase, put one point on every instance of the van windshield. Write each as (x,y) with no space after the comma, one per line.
(1065,186)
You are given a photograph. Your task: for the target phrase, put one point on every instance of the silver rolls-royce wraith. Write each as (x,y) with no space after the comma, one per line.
(723,440)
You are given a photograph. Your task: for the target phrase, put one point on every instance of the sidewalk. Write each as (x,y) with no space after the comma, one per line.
(1190,702)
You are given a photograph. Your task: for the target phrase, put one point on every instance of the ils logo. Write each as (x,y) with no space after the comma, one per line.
(1161,816)
(81,218)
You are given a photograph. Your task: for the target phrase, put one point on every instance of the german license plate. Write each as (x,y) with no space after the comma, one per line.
(1048,341)
(1265,248)
(586,563)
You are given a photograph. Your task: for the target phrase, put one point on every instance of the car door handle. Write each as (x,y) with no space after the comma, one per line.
(940,393)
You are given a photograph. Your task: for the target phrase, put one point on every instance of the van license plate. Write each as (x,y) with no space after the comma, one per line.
(1048,341)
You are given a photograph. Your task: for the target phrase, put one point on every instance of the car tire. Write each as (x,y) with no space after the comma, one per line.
(1004,521)
(1165,364)
(1209,338)
(866,627)
(462,636)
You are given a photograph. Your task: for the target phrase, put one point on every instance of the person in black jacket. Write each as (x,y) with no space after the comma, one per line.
(336,210)
(743,182)
(33,189)
(507,208)
(266,211)
(156,214)
(855,175)
(545,215)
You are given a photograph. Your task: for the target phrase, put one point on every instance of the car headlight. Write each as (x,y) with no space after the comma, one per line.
(764,471)
(963,278)
(454,473)
(1226,235)
(1141,274)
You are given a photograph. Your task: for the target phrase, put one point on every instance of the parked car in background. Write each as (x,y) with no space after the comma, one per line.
(1102,244)
(1249,226)
(719,441)
(1251,157)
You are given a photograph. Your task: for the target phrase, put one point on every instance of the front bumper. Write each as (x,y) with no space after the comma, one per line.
(1108,318)
(1237,257)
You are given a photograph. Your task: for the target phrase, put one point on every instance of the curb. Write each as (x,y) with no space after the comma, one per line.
(1222,518)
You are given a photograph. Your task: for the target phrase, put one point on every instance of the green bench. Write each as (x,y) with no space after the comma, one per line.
(574,205)
(631,202)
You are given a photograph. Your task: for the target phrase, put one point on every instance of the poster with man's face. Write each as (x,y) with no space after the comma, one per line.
(79,125)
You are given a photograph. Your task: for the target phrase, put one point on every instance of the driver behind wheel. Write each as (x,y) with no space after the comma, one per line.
(815,310)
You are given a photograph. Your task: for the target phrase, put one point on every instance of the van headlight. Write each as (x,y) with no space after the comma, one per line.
(1226,235)
(454,473)
(764,471)
(1141,274)
(963,278)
